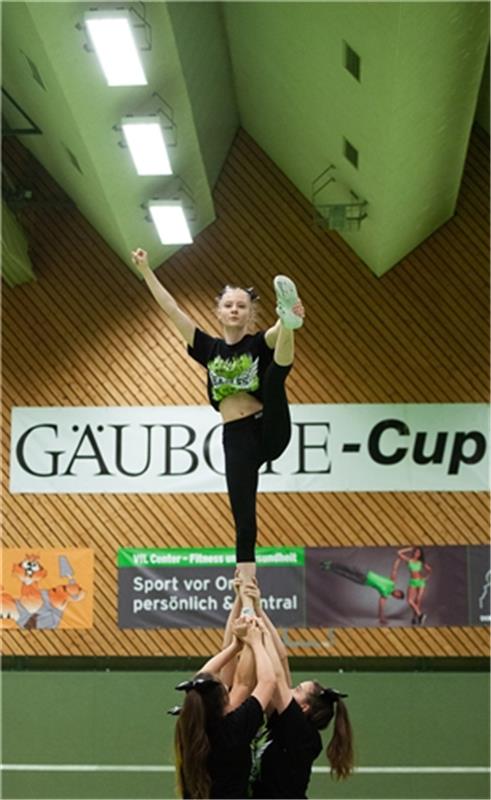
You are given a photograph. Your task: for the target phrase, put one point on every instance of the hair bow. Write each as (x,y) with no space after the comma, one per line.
(200,684)
(332,695)
(252,293)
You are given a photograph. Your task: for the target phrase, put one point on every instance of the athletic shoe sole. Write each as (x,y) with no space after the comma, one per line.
(286,297)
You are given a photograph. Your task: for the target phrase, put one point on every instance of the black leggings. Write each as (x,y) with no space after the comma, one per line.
(248,443)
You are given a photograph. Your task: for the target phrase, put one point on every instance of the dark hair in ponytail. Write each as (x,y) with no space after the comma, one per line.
(339,751)
(324,705)
(202,709)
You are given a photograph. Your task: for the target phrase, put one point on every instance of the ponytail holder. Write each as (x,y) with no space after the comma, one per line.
(252,293)
(184,686)
(332,695)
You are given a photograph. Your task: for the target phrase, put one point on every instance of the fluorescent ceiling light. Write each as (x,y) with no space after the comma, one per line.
(170,221)
(112,37)
(145,139)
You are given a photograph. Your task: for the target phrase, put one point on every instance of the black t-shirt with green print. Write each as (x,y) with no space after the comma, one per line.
(232,368)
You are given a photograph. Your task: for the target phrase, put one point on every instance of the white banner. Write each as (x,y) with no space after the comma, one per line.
(334,448)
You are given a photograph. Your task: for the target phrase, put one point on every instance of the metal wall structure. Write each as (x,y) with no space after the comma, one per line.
(87,332)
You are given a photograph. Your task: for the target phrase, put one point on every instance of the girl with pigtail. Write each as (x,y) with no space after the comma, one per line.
(295,718)
(215,726)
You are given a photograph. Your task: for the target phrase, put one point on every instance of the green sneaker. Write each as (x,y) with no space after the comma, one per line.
(286,297)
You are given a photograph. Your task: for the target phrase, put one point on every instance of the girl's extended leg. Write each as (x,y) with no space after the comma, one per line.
(276,422)
(276,414)
(284,350)
(345,571)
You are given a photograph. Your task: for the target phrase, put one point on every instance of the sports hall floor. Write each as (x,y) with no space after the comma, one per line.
(106,734)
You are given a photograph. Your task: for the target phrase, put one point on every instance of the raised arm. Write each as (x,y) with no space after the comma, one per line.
(244,679)
(251,591)
(282,693)
(234,611)
(263,690)
(405,553)
(228,672)
(218,661)
(185,326)
(381,610)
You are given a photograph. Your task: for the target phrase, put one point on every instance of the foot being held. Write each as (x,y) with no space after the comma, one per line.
(288,305)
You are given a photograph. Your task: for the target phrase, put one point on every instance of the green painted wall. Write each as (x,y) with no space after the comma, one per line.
(440,53)
(278,67)
(482,109)
(201,41)
(409,116)
(400,719)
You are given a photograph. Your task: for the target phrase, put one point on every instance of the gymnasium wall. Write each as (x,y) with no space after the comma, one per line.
(87,332)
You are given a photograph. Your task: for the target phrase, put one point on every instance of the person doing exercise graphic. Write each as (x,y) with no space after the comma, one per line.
(385,586)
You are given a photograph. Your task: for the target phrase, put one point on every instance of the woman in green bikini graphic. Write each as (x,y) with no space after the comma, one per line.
(386,587)
(419,572)
(246,384)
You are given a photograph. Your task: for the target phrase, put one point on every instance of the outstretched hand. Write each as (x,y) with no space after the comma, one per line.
(237,582)
(299,309)
(251,591)
(139,258)
(254,633)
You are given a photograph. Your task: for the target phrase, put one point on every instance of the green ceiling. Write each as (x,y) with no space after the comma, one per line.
(278,70)
(409,116)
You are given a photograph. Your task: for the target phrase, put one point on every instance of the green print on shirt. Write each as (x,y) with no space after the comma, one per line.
(231,375)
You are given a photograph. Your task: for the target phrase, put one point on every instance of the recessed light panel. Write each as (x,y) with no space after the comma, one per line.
(111,34)
(170,221)
(145,139)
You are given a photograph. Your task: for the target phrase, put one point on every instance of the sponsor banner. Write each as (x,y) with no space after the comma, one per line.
(192,588)
(343,448)
(309,587)
(44,589)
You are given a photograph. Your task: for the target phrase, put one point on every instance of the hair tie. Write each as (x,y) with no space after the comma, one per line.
(252,293)
(184,686)
(175,711)
(332,695)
